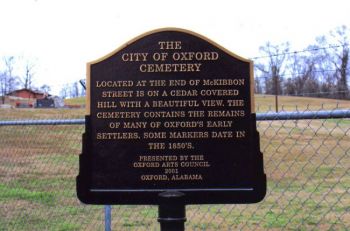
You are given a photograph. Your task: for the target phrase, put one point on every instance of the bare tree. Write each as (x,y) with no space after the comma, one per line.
(64,93)
(341,59)
(302,69)
(72,90)
(8,82)
(3,86)
(273,67)
(335,60)
(75,89)
(27,79)
(45,88)
(258,87)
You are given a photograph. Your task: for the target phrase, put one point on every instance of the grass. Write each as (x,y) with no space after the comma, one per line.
(18,193)
(265,103)
(306,163)
(25,113)
(75,101)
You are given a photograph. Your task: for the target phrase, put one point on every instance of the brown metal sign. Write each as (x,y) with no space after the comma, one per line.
(170,110)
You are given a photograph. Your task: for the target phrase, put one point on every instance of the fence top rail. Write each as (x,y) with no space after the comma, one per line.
(304,115)
(298,115)
(43,122)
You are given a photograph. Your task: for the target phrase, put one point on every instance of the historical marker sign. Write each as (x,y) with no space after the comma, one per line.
(170,110)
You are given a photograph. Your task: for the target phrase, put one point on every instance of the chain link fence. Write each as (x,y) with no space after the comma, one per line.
(306,160)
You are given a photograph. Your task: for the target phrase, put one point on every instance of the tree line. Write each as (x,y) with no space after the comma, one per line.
(17,73)
(9,81)
(320,70)
(73,90)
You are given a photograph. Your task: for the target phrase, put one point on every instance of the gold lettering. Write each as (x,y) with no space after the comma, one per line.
(157,83)
(134,57)
(195,164)
(188,135)
(117,135)
(125,83)
(164,114)
(240,134)
(222,134)
(212,103)
(118,115)
(175,103)
(196,114)
(154,177)
(177,82)
(117,94)
(169,45)
(130,104)
(235,103)
(195,56)
(106,104)
(223,82)
(232,113)
(219,124)
(157,158)
(158,146)
(134,124)
(219,92)
(154,135)
(173,67)
(146,165)
(187,177)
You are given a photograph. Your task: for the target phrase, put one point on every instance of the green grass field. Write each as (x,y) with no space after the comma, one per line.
(307,163)
(265,103)
(75,101)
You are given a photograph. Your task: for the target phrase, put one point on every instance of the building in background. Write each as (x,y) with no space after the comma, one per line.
(28,94)
(27,98)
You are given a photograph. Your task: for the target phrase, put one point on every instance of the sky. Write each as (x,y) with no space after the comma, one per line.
(60,36)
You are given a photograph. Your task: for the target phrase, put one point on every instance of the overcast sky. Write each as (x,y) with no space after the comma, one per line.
(61,36)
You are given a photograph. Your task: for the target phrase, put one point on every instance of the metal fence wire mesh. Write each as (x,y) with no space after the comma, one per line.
(307,164)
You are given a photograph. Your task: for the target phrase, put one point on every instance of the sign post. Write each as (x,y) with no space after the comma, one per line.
(170,113)
(171,211)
